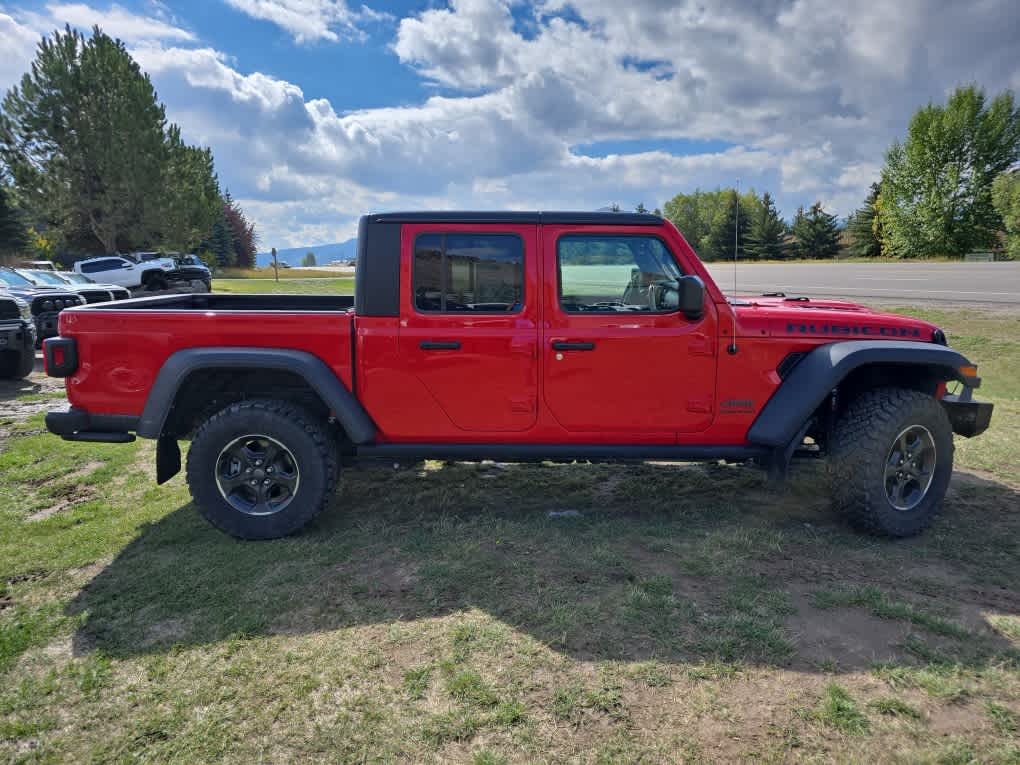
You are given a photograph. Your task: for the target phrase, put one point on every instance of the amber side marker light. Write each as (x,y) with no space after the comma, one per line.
(968,371)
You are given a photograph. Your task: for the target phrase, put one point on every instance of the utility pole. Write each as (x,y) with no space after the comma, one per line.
(276,267)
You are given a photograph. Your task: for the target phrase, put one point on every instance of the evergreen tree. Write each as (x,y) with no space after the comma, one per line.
(641,208)
(14,237)
(765,240)
(816,232)
(308,260)
(863,225)
(191,202)
(729,230)
(82,135)
(937,184)
(221,244)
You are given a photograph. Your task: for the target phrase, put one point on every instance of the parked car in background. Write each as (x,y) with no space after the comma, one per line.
(187,268)
(154,273)
(45,303)
(40,265)
(88,289)
(17,337)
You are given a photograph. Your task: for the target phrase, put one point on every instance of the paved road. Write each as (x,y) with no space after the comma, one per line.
(900,283)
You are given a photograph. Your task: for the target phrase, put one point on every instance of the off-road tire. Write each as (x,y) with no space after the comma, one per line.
(14,365)
(156,283)
(862,440)
(314,453)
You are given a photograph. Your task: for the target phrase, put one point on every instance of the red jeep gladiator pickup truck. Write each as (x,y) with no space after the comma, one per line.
(515,336)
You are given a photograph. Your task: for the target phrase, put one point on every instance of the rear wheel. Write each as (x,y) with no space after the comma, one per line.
(261,469)
(891,461)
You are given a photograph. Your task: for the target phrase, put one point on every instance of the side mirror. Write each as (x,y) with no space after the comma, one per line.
(691,294)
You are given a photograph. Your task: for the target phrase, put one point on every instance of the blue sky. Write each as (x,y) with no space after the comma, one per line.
(320,110)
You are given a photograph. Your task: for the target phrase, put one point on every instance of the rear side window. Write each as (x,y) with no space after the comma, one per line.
(611,273)
(457,273)
(101,265)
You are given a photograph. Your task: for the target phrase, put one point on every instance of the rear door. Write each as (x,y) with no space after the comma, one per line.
(469,322)
(619,356)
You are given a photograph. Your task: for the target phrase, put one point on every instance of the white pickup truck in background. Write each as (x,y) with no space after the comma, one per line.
(154,273)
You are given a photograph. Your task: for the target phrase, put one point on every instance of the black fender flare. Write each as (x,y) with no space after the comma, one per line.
(825,367)
(347,409)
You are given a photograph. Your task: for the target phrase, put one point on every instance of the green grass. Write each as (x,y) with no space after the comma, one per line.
(436,613)
(839,710)
(292,286)
(267,273)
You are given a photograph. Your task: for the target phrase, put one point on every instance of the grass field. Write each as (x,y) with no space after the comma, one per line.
(267,273)
(438,613)
(332,285)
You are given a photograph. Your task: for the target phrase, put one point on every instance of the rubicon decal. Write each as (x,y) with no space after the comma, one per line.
(865,330)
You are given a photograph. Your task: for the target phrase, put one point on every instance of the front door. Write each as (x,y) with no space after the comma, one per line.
(619,356)
(469,327)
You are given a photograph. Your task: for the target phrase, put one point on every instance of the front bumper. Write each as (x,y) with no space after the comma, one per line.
(78,425)
(969,418)
(46,324)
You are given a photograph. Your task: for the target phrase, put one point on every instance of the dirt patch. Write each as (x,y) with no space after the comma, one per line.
(23,399)
(843,638)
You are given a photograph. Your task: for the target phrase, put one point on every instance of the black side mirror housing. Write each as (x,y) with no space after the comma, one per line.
(691,293)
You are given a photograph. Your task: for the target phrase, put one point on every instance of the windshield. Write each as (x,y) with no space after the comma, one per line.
(75,278)
(45,277)
(12,279)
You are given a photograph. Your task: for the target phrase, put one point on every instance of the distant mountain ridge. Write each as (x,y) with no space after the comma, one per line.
(324,253)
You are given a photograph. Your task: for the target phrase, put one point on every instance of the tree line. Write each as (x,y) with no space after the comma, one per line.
(723,224)
(90,165)
(951,187)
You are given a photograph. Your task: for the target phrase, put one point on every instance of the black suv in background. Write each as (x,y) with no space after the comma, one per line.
(45,303)
(17,337)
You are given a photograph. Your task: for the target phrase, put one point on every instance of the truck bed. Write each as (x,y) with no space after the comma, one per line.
(215,302)
(123,345)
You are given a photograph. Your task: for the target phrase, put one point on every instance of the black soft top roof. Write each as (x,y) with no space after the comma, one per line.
(551,218)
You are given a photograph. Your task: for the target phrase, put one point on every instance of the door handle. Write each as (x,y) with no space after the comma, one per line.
(559,345)
(433,345)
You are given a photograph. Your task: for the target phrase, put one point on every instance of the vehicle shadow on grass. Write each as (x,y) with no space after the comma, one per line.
(12,389)
(681,563)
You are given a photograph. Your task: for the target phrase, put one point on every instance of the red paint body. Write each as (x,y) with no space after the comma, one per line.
(653,378)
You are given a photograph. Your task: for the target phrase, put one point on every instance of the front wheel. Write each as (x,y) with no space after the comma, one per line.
(156,283)
(891,461)
(261,469)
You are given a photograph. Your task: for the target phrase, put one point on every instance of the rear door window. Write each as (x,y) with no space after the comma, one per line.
(468,273)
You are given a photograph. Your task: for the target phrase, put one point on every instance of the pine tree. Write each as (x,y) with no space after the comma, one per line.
(816,232)
(14,238)
(221,244)
(82,136)
(864,242)
(765,240)
(191,202)
(729,229)
(640,208)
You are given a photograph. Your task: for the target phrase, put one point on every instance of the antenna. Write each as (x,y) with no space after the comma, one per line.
(736,236)
(732,347)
